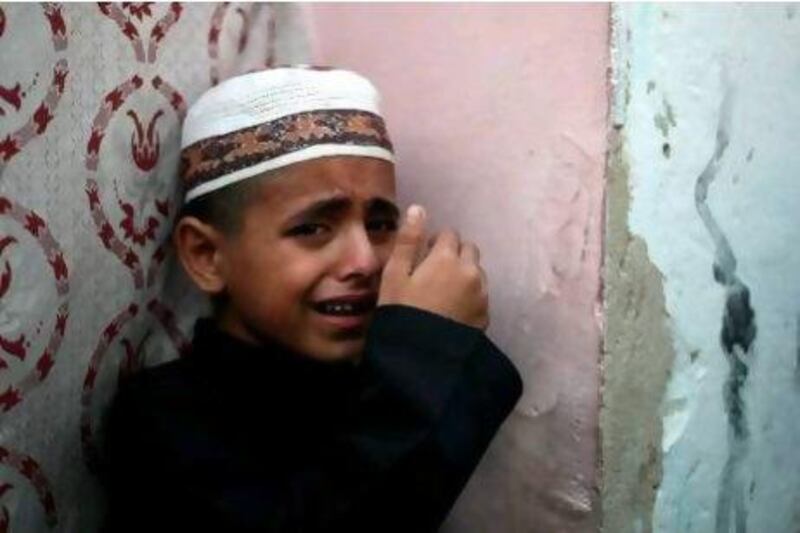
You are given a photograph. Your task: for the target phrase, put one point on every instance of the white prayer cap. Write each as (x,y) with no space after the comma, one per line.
(265,120)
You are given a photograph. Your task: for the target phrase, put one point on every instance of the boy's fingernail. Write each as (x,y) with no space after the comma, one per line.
(415,213)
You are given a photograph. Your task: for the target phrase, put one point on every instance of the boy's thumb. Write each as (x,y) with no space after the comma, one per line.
(409,239)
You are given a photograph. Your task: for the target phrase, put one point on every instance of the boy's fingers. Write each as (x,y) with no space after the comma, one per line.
(432,240)
(470,253)
(447,241)
(484,281)
(409,238)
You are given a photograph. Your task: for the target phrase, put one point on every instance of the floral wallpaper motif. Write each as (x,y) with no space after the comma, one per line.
(92,97)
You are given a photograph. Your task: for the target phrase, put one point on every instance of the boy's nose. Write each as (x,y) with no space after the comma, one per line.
(359,257)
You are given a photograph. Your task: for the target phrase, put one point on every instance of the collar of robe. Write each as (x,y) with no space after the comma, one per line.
(234,362)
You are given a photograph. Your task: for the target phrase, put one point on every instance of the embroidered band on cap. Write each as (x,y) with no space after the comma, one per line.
(266,120)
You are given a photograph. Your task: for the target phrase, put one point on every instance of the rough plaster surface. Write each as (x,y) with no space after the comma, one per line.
(636,362)
(498,114)
(710,110)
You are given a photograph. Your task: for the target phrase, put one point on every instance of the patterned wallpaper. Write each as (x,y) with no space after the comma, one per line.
(91,102)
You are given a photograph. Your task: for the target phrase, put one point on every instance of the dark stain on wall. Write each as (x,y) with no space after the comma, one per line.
(736,336)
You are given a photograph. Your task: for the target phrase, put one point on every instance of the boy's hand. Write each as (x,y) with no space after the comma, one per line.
(449,281)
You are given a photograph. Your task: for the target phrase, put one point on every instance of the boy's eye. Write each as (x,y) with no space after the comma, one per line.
(307,230)
(387,224)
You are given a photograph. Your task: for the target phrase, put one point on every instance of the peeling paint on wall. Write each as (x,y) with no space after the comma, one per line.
(636,361)
(717,211)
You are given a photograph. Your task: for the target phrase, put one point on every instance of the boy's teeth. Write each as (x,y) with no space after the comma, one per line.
(339,308)
(346,308)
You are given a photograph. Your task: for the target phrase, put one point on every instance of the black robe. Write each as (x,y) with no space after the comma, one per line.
(241,438)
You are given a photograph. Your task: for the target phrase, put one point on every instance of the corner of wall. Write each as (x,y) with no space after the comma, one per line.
(637,350)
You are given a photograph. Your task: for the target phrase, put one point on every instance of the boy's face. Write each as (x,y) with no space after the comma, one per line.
(305,268)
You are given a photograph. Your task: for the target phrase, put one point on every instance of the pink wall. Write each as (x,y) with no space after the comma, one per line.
(498,114)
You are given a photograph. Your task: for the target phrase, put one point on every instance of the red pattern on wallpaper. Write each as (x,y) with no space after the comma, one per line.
(161,28)
(245,19)
(29,352)
(172,95)
(126,147)
(138,9)
(19,371)
(145,150)
(109,334)
(13,392)
(131,23)
(131,348)
(166,318)
(12,96)
(130,241)
(13,143)
(58,28)
(126,26)
(145,147)
(30,470)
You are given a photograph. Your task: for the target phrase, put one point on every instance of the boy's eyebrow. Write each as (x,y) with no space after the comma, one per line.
(325,207)
(382,206)
(334,205)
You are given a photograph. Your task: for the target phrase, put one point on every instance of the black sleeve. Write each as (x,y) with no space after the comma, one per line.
(432,395)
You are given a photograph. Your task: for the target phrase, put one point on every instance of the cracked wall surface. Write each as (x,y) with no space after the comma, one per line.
(706,100)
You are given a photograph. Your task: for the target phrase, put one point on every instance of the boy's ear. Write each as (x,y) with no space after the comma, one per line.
(199,248)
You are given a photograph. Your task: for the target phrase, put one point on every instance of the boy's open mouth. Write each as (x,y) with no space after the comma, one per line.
(346,305)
